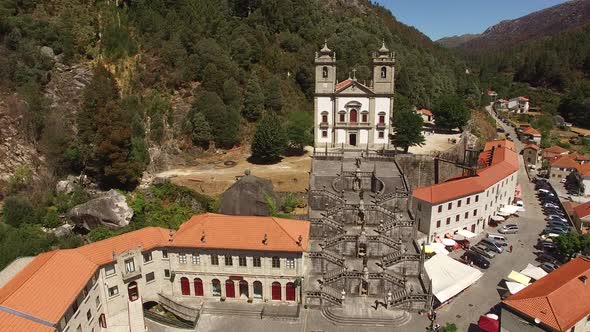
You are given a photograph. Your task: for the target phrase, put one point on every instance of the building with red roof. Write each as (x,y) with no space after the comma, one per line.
(427,115)
(530,154)
(469,202)
(554,152)
(211,256)
(530,135)
(556,302)
(563,165)
(581,217)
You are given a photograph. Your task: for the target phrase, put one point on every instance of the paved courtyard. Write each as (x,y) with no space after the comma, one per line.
(486,293)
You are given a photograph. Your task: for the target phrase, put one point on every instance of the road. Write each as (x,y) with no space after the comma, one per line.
(478,299)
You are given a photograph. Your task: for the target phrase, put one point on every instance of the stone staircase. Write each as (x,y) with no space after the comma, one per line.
(328,255)
(326,293)
(391,277)
(340,319)
(397,257)
(328,222)
(136,320)
(228,309)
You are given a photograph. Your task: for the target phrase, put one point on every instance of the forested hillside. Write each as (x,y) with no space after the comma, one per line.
(246,56)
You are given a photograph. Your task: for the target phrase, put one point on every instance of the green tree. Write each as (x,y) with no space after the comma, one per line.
(407,125)
(224,121)
(449,327)
(450,112)
(198,128)
(269,140)
(17,211)
(568,244)
(273,97)
(231,93)
(299,130)
(253,100)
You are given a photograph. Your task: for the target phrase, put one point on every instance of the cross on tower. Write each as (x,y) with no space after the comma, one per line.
(354,73)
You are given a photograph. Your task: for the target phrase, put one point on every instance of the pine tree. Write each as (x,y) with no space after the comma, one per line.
(269,140)
(300,130)
(253,100)
(200,131)
(407,128)
(273,98)
(224,121)
(231,93)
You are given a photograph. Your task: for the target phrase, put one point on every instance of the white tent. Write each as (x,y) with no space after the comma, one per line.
(449,277)
(514,287)
(497,218)
(466,233)
(534,272)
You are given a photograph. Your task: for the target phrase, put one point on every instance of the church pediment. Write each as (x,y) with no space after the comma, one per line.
(352,87)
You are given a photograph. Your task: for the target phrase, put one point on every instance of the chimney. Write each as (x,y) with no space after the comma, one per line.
(300,240)
(583,279)
(170,236)
(265,240)
(203,239)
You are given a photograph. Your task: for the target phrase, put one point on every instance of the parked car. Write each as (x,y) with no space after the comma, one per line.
(548,247)
(557,212)
(546,257)
(477,259)
(548,236)
(498,238)
(482,250)
(555,230)
(550,205)
(549,267)
(509,229)
(556,218)
(492,245)
(557,223)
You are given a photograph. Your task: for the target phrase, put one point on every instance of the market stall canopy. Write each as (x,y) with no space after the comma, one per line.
(488,324)
(514,287)
(449,242)
(497,218)
(428,249)
(449,277)
(519,277)
(466,233)
(534,272)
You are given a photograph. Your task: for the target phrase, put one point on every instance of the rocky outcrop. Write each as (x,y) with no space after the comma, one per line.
(247,197)
(110,209)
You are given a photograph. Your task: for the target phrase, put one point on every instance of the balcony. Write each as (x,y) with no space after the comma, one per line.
(324,125)
(353,125)
(128,275)
(381,125)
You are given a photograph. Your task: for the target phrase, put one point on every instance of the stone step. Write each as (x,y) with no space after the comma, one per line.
(337,319)
(233,311)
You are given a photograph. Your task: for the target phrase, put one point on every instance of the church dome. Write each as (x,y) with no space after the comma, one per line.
(383,50)
(325,49)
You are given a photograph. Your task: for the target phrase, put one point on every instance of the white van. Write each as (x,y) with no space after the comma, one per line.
(493,245)
(497,237)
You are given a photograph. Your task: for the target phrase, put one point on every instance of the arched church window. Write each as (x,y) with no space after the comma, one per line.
(325,72)
(381,117)
(383,72)
(353,115)
(365,117)
(342,116)
(324,117)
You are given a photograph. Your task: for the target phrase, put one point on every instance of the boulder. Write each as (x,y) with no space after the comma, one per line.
(109,209)
(64,187)
(47,51)
(248,197)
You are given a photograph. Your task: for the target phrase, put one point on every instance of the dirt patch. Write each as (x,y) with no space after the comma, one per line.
(212,176)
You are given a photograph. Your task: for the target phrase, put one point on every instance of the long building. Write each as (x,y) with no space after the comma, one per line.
(469,202)
(211,257)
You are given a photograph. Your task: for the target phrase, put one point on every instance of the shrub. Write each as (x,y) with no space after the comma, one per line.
(18,211)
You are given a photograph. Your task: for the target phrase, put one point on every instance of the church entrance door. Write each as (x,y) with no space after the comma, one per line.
(352,139)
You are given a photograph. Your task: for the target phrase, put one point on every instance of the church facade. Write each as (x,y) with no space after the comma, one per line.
(350,114)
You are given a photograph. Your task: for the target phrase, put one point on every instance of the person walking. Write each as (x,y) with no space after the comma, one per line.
(510,248)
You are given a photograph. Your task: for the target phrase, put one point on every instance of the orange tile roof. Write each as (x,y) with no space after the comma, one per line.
(582,210)
(569,207)
(532,146)
(101,252)
(559,299)
(242,232)
(584,169)
(499,164)
(564,161)
(343,83)
(46,287)
(425,112)
(556,149)
(12,323)
(531,131)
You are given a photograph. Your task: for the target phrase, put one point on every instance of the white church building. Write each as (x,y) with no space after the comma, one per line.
(350,114)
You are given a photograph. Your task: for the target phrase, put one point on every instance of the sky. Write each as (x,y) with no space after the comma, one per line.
(442,18)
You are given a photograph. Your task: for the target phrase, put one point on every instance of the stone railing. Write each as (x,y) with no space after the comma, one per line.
(329,256)
(392,195)
(384,240)
(328,222)
(326,193)
(352,174)
(326,293)
(323,155)
(389,276)
(392,224)
(397,257)
(403,296)
(180,310)
(334,275)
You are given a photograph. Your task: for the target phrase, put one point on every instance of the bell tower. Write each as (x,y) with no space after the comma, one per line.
(383,70)
(325,70)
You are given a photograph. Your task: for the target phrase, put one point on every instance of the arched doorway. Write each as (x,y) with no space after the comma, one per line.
(290,291)
(244,292)
(276,291)
(102,321)
(198,283)
(216,287)
(230,290)
(185,287)
(133,291)
(353,116)
(257,285)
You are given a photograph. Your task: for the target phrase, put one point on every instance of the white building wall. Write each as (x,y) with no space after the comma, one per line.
(472,216)
(382,104)
(364,136)
(324,104)
(340,136)
(342,101)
